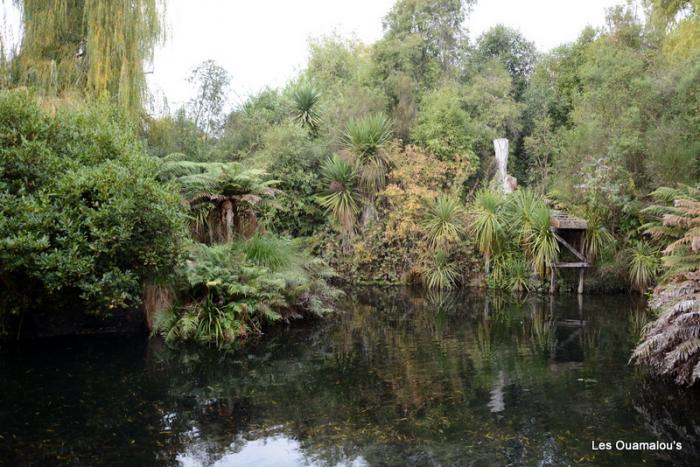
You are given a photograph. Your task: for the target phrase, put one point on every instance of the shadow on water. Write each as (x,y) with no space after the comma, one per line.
(398,377)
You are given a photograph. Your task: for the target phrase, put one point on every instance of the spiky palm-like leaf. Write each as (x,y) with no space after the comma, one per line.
(519,275)
(541,242)
(597,237)
(305,98)
(487,221)
(342,199)
(518,212)
(444,221)
(366,138)
(643,265)
(443,273)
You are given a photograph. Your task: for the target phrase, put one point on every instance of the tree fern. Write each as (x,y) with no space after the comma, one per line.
(671,344)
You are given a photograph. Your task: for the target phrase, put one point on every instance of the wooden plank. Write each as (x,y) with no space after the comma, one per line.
(563,221)
(570,265)
(569,247)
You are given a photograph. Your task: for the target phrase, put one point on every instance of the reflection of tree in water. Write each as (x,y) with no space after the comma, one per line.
(77,403)
(671,415)
(399,376)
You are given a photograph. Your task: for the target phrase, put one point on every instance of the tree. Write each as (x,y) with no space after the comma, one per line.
(494,113)
(305,98)
(175,134)
(424,40)
(512,50)
(443,127)
(670,346)
(439,25)
(367,139)
(245,127)
(211,82)
(604,157)
(90,47)
(342,198)
(221,196)
(83,221)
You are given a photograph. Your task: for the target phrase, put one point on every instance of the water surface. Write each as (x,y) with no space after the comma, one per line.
(399,377)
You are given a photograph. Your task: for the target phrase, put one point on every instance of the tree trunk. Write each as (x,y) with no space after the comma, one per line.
(228,219)
(369,214)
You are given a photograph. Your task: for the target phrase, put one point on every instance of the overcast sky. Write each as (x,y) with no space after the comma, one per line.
(264,42)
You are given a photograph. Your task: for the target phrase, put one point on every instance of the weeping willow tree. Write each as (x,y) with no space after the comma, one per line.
(90,47)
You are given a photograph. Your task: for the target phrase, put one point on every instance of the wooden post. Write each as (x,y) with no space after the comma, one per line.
(581,272)
(552,280)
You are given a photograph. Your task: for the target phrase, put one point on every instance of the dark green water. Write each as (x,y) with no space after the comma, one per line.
(398,378)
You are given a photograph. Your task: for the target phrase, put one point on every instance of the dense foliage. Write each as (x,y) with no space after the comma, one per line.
(671,345)
(236,278)
(87,48)
(234,289)
(84,221)
(380,155)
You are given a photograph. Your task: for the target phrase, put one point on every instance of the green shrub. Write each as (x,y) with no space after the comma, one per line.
(245,128)
(442,125)
(235,289)
(293,159)
(443,273)
(269,251)
(83,220)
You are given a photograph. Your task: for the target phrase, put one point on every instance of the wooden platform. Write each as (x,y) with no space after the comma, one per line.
(563,221)
(569,232)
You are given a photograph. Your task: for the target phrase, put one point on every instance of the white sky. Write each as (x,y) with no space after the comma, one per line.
(264,42)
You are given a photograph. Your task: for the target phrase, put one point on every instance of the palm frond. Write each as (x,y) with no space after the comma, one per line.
(487,220)
(341,199)
(643,265)
(444,272)
(542,243)
(444,221)
(305,98)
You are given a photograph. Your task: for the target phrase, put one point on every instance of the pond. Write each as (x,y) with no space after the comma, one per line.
(398,377)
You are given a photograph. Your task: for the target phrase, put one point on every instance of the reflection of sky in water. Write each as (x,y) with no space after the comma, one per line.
(275,451)
(400,378)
